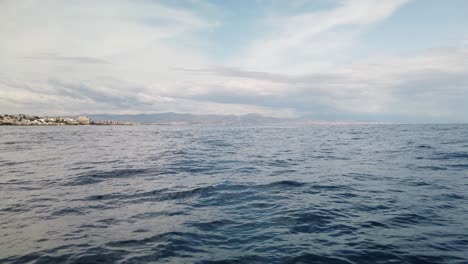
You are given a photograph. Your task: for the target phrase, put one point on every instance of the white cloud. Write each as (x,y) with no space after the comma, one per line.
(315,40)
(143,56)
(432,84)
(82,45)
(90,28)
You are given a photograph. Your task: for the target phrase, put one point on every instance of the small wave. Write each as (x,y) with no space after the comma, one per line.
(451,155)
(13,142)
(452,196)
(332,187)
(424,147)
(7,163)
(408,219)
(217,143)
(186,194)
(99,176)
(66,211)
(166,245)
(280,163)
(211,225)
(374,256)
(286,183)
(319,259)
(248,170)
(418,183)
(150,215)
(433,168)
(459,166)
(14,208)
(373,224)
(283,172)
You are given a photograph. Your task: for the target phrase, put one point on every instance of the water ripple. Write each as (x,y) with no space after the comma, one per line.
(194,194)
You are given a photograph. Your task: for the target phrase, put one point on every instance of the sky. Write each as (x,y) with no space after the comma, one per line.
(364,60)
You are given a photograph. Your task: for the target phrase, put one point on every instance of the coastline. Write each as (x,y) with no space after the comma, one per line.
(34,120)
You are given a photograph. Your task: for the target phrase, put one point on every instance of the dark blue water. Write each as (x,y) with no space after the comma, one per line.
(192,194)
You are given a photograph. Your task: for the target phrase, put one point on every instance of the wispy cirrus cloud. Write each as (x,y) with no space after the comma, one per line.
(315,40)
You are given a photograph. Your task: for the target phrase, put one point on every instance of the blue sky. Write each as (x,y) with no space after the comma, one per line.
(371,60)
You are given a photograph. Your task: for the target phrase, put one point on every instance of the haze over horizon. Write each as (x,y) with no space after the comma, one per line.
(378,60)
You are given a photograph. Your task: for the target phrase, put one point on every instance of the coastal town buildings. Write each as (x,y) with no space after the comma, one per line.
(29,120)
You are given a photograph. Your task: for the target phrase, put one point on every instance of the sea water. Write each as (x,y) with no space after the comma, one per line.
(234,194)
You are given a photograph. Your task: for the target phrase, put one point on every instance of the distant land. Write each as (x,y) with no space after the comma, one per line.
(160,119)
(35,120)
(179,118)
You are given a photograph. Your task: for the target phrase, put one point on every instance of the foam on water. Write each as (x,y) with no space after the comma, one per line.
(193,194)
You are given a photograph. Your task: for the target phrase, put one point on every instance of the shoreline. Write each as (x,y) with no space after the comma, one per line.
(34,120)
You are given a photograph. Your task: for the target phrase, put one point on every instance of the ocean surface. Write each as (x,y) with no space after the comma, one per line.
(230,194)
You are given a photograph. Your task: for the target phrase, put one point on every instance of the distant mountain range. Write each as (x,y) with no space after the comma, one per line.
(176,118)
